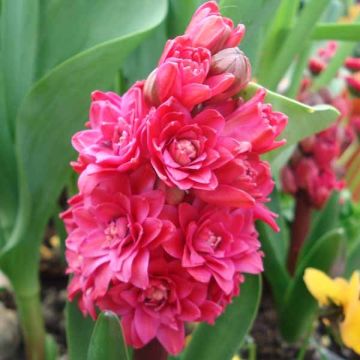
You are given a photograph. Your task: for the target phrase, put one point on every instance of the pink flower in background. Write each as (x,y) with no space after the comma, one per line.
(162,231)
(312,169)
(319,62)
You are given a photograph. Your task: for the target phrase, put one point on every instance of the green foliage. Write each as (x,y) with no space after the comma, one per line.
(294,42)
(107,341)
(222,340)
(256,15)
(343,32)
(78,332)
(323,221)
(299,306)
(275,246)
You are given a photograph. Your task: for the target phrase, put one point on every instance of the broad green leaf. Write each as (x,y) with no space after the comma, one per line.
(343,51)
(8,180)
(78,332)
(222,340)
(51,348)
(71,26)
(295,41)
(323,221)
(275,246)
(19,35)
(299,306)
(107,341)
(51,113)
(280,27)
(180,13)
(256,15)
(343,32)
(144,59)
(304,120)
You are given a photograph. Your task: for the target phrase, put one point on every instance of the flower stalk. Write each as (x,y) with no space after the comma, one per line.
(299,230)
(153,350)
(32,323)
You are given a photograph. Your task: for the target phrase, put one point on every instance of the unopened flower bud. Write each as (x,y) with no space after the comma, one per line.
(352,64)
(307,144)
(316,66)
(233,61)
(150,92)
(353,83)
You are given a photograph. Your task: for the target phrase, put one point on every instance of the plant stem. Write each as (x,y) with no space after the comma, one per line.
(32,323)
(152,351)
(299,230)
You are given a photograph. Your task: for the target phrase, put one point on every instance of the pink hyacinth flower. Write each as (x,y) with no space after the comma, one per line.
(209,29)
(112,142)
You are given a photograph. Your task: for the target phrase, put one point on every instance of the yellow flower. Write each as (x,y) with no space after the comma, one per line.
(343,294)
(354,12)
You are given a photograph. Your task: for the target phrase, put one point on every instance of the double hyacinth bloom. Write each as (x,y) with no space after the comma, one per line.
(340,303)
(171,183)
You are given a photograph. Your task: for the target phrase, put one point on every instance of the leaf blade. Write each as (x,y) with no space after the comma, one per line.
(107,341)
(220,342)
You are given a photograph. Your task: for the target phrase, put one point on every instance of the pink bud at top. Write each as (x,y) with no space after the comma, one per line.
(233,61)
(211,30)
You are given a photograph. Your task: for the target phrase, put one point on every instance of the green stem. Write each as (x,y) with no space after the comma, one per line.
(299,229)
(32,323)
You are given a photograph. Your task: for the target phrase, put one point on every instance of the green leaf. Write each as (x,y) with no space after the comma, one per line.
(50,114)
(299,306)
(353,259)
(8,180)
(343,32)
(107,341)
(145,58)
(304,120)
(51,348)
(256,15)
(295,41)
(78,332)
(279,29)
(19,35)
(63,37)
(325,220)
(222,340)
(180,13)
(275,246)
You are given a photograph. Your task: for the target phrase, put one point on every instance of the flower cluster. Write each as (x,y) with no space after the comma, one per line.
(171,183)
(313,170)
(340,303)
